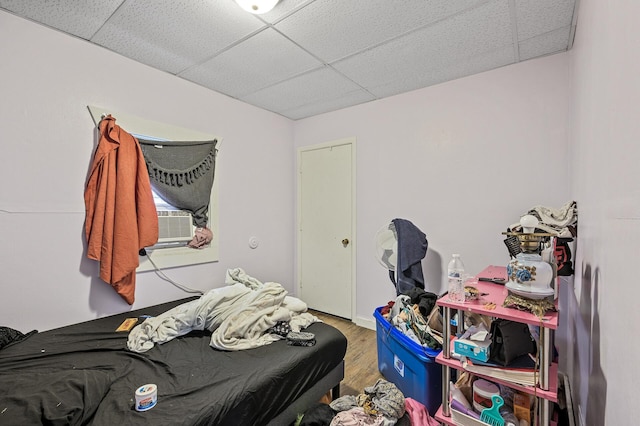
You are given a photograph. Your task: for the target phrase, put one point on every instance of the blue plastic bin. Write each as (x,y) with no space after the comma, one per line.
(408,365)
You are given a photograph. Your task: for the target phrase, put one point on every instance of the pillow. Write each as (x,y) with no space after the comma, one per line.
(9,335)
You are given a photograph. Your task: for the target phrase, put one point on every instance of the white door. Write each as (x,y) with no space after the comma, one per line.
(326,230)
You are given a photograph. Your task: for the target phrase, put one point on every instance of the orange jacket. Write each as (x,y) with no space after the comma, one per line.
(121,214)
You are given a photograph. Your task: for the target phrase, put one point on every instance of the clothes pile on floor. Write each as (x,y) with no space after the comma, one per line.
(382,404)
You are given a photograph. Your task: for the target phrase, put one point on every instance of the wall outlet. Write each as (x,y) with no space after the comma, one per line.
(253,242)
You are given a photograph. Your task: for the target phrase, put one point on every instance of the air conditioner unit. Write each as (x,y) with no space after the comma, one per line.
(175,227)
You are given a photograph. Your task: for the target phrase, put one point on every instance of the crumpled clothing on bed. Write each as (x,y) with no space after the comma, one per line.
(237,315)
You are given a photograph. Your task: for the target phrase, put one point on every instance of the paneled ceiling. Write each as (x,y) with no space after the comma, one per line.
(307,57)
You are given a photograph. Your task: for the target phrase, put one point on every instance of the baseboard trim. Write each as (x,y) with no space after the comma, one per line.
(365,322)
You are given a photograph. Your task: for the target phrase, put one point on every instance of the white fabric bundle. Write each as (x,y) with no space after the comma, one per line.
(237,315)
(566,215)
(554,221)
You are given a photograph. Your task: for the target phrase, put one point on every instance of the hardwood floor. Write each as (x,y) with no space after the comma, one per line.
(361,360)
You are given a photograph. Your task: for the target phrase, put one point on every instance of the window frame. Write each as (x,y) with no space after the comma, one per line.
(174,256)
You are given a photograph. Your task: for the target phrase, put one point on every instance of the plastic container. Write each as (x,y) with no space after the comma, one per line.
(408,365)
(455,273)
(146,397)
(483,390)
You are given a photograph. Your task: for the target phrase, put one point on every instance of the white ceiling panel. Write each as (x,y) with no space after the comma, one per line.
(316,86)
(282,9)
(536,17)
(406,59)
(333,104)
(173,35)
(307,57)
(81,19)
(463,67)
(258,62)
(545,44)
(334,29)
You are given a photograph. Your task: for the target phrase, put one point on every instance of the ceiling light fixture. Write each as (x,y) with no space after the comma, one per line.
(257,7)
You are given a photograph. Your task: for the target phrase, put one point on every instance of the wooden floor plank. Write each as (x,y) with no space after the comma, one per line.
(361,360)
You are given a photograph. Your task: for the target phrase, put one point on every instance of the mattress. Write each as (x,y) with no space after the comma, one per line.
(83,374)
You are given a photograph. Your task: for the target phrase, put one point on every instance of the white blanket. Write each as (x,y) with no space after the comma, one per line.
(237,315)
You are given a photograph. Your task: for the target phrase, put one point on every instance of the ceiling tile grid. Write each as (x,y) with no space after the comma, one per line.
(307,57)
(320,107)
(536,17)
(414,56)
(334,29)
(545,44)
(316,86)
(282,10)
(463,67)
(260,61)
(173,35)
(81,19)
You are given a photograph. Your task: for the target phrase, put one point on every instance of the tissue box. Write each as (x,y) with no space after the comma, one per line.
(476,350)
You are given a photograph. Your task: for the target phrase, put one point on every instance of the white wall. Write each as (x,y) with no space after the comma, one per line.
(461,160)
(47,79)
(604,133)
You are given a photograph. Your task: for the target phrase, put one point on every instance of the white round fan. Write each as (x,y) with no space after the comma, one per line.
(386,241)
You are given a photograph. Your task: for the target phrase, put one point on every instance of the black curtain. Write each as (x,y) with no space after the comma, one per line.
(182,173)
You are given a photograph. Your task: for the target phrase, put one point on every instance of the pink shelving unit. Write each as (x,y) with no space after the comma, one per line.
(490,304)
(449,421)
(496,293)
(551,394)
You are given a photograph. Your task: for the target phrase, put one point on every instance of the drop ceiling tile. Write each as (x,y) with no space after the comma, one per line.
(315,86)
(551,42)
(359,49)
(350,99)
(483,29)
(463,67)
(262,60)
(536,17)
(172,35)
(334,29)
(80,18)
(283,8)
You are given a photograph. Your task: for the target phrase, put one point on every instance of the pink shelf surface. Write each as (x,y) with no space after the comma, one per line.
(551,394)
(496,293)
(449,421)
(442,419)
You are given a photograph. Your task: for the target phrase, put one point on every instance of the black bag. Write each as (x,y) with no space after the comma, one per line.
(510,340)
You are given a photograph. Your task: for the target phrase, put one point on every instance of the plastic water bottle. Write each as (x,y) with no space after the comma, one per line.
(455,272)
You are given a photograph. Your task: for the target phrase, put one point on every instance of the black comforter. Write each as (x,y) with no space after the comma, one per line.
(83,374)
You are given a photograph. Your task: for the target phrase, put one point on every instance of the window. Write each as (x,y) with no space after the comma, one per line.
(173,256)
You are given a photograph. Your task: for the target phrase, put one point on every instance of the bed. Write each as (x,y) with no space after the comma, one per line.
(84,374)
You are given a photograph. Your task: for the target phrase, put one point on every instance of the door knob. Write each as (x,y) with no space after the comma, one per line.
(345,242)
